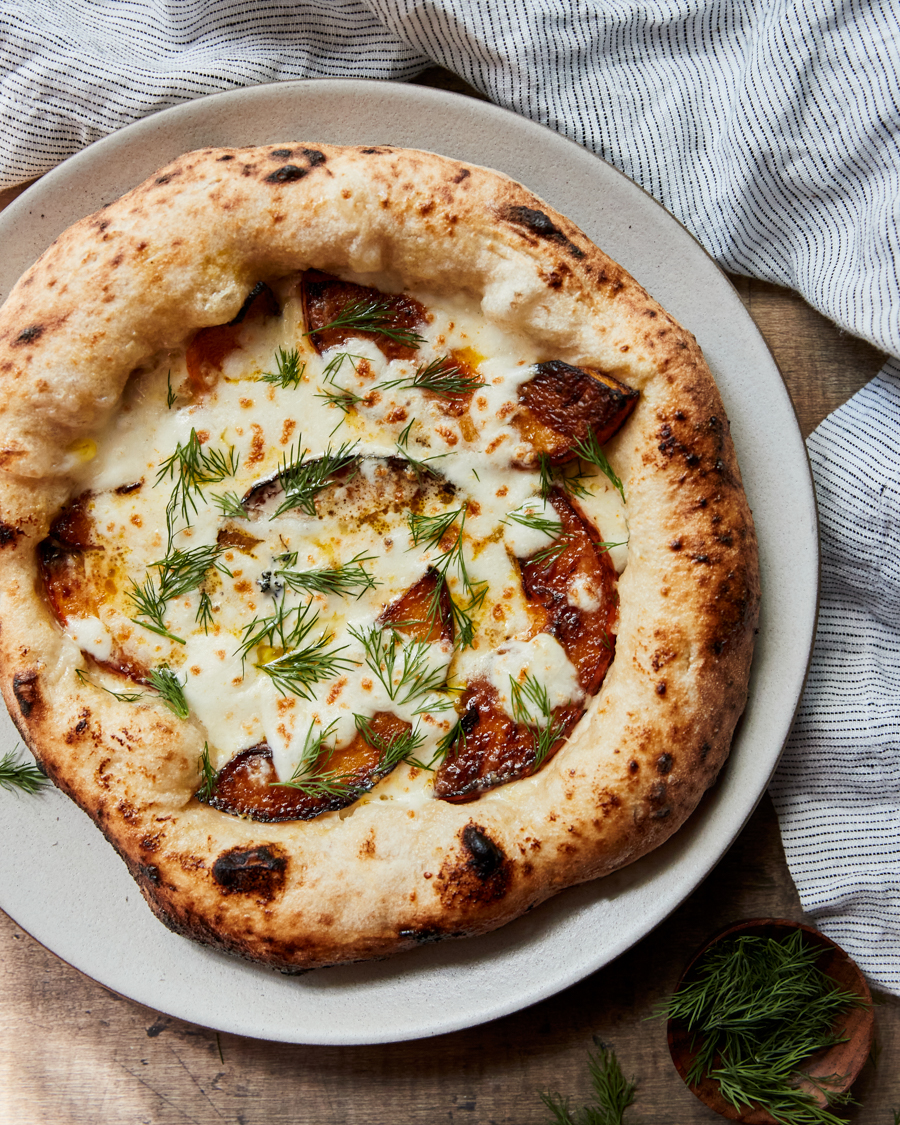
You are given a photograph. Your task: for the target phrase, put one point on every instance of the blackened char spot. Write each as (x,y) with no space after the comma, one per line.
(258,871)
(149,871)
(664,763)
(25,690)
(8,535)
(280,154)
(485,857)
(286,174)
(539,223)
(424,936)
(31,333)
(314,157)
(463,174)
(226,157)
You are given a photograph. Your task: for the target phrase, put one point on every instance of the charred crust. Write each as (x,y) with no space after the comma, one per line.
(125,489)
(280,154)
(426,935)
(222,159)
(25,689)
(30,334)
(150,872)
(287,174)
(290,173)
(258,871)
(9,535)
(539,224)
(664,763)
(481,876)
(485,857)
(462,174)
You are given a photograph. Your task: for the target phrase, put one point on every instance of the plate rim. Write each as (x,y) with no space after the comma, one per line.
(18,212)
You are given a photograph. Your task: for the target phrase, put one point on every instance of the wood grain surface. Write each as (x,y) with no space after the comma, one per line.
(72,1053)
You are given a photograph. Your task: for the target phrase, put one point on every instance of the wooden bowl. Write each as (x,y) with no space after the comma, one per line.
(836,1068)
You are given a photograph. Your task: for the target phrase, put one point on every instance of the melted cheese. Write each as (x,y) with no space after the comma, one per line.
(235,702)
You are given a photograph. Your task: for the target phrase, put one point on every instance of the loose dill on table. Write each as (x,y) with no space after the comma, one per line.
(757,1008)
(21,775)
(613,1093)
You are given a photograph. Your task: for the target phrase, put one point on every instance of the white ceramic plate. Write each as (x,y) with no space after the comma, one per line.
(63,883)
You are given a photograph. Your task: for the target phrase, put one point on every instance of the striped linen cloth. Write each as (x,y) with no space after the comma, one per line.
(770,128)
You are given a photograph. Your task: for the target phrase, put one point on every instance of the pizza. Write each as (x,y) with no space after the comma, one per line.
(374,560)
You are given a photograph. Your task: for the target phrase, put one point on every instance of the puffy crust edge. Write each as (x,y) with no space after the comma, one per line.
(123,283)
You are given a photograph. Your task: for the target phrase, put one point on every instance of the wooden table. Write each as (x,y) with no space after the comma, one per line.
(73,1053)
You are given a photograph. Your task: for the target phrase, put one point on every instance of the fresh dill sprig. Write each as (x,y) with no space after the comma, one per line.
(230,505)
(290,370)
(375,316)
(332,368)
(204,614)
(302,480)
(182,571)
(462,615)
(20,775)
(534,522)
(176,574)
(122,696)
(347,579)
(191,467)
(295,672)
(454,739)
(170,689)
(150,608)
(420,466)
(591,451)
(320,782)
(443,378)
(757,1008)
(393,749)
(562,476)
(404,670)
(345,400)
(300,663)
(209,775)
(171,396)
(527,697)
(613,1094)
(431,531)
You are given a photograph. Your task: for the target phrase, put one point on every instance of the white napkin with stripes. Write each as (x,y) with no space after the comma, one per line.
(770,128)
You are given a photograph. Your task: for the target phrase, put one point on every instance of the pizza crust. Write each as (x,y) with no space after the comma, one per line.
(181,252)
